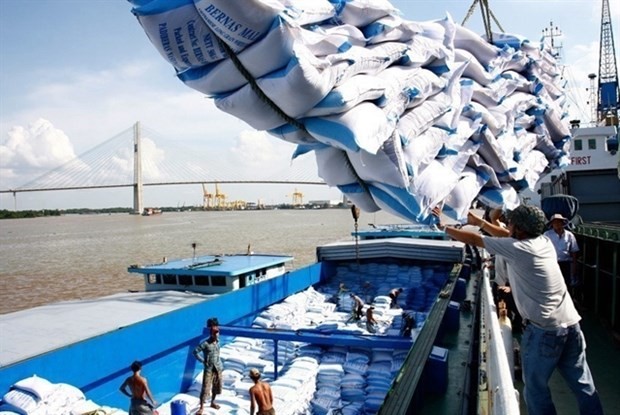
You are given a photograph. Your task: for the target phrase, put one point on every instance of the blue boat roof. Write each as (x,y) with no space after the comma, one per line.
(400,230)
(213,265)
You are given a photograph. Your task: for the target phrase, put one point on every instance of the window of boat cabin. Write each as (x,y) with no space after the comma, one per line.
(154,278)
(186,280)
(218,281)
(578,145)
(592,144)
(170,279)
(202,280)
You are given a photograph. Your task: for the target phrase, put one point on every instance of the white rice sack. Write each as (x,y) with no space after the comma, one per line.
(546,146)
(64,395)
(386,166)
(262,322)
(362,12)
(474,69)
(335,169)
(272,52)
(237,26)
(306,12)
(511,40)
(391,28)
(558,127)
(477,163)
(494,93)
(397,201)
(179,34)
(364,127)
(382,299)
(526,141)
(326,40)
(518,62)
(468,40)
(456,95)
(419,119)
(458,202)
(39,387)
(494,121)
(432,185)
(505,197)
(533,165)
(407,87)
(304,76)
(25,402)
(442,30)
(491,151)
(547,70)
(465,128)
(419,151)
(520,82)
(355,90)
(423,50)
(368,60)
(84,407)
(518,102)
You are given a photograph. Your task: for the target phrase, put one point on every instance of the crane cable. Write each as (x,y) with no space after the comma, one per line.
(487,15)
(263,97)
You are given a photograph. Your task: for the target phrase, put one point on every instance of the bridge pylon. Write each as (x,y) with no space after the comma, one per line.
(138,204)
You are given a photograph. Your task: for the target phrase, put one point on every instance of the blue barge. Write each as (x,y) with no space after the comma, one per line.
(89,344)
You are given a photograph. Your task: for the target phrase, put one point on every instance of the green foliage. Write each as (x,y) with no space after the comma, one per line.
(21,214)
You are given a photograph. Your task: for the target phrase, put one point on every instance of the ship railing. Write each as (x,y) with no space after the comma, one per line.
(497,394)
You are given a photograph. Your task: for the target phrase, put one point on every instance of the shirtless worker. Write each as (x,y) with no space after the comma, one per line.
(371,322)
(260,395)
(358,305)
(138,392)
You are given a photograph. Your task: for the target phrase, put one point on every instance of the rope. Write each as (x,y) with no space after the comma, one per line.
(263,97)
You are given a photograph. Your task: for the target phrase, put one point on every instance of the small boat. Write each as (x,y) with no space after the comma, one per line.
(151,212)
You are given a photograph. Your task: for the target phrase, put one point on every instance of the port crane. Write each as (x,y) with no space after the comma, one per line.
(297,198)
(608,107)
(207,198)
(220,198)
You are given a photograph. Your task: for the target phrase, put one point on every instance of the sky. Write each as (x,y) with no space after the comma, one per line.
(74,73)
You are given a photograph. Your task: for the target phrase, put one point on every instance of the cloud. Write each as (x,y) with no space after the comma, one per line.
(34,149)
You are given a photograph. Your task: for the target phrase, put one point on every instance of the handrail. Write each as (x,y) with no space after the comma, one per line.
(502,395)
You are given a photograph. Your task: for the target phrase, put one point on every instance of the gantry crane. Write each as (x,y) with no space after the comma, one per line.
(608,108)
(297,198)
(207,198)
(220,198)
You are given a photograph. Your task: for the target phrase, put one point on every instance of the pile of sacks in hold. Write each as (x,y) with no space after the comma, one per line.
(318,379)
(401,115)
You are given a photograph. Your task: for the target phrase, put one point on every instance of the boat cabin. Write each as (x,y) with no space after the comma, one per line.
(211,274)
(407,230)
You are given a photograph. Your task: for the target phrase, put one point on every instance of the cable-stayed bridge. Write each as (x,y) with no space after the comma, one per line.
(139,157)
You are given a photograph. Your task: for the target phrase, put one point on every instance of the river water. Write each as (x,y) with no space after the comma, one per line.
(50,259)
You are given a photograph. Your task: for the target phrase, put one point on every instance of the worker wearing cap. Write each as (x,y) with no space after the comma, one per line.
(552,336)
(566,247)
